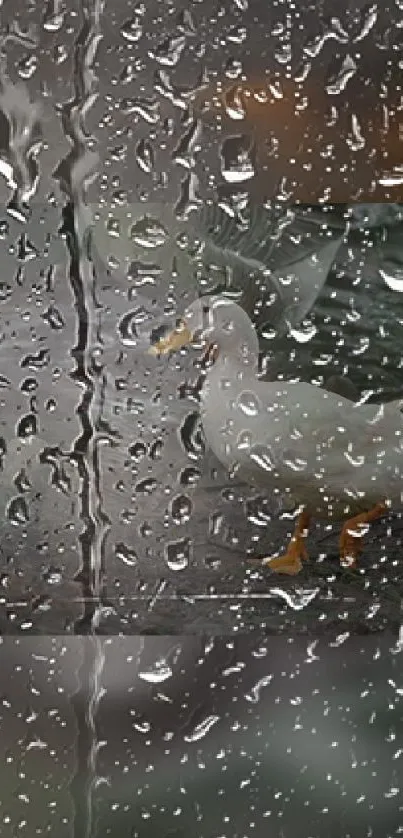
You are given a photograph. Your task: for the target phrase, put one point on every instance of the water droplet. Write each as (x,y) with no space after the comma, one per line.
(29,385)
(52,575)
(297,599)
(393,178)
(237,34)
(283,53)
(248,403)
(137,450)
(332,30)
(22,482)
(169,51)
(60,54)
(263,457)
(184,153)
(5,382)
(146,486)
(127,555)
(5,291)
(188,200)
(132,29)
(212,562)
(216,521)
(394,280)
(181,509)
(191,436)
(357,461)
(148,232)
(127,329)
(143,273)
(17,511)
(38,361)
(339,81)
(145,157)
(54,17)
(157,674)
(145,529)
(244,441)
(53,318)
(238,159)
(254,694)
(233,68)
(201,729)
(177,554)
(304,334)
(370,16)
(113,227)
(356,141)
(258,512)
(189,476)
(291,461)
(27,426)
(147,109)
(156,449)
(234,104)
(27,66)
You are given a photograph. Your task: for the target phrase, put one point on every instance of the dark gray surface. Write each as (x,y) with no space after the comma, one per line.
(214,736)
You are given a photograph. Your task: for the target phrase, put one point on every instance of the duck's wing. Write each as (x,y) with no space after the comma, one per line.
(302,280)
(235,253)
(365,348)
(251,236)
(300,261)
(278,260)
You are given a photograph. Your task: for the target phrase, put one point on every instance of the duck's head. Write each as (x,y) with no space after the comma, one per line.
(213,321)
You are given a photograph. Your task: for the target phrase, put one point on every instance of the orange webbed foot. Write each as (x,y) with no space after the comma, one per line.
(291,562)
(352,534)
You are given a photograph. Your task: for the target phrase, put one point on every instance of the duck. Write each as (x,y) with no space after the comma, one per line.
(326,455)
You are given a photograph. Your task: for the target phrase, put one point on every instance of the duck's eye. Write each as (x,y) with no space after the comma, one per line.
(157,334)
(207,317)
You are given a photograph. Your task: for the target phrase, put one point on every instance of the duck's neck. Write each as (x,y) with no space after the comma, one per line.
(229,389)
(224,381)
(234,367)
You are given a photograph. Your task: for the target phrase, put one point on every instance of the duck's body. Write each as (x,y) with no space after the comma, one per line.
(317,449)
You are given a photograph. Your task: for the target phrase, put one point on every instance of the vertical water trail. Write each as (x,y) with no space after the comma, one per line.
(85,702)
(74,173)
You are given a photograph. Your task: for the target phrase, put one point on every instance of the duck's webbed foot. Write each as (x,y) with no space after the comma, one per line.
(291,562)
(352,534)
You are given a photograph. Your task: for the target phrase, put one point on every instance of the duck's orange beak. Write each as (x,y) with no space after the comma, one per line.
(179,337)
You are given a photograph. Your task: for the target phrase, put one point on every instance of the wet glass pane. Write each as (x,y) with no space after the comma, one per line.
(243,161)
(215,736)
(40,692)
(201,321)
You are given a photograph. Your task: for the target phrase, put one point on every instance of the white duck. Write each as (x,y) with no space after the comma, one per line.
(329,456)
